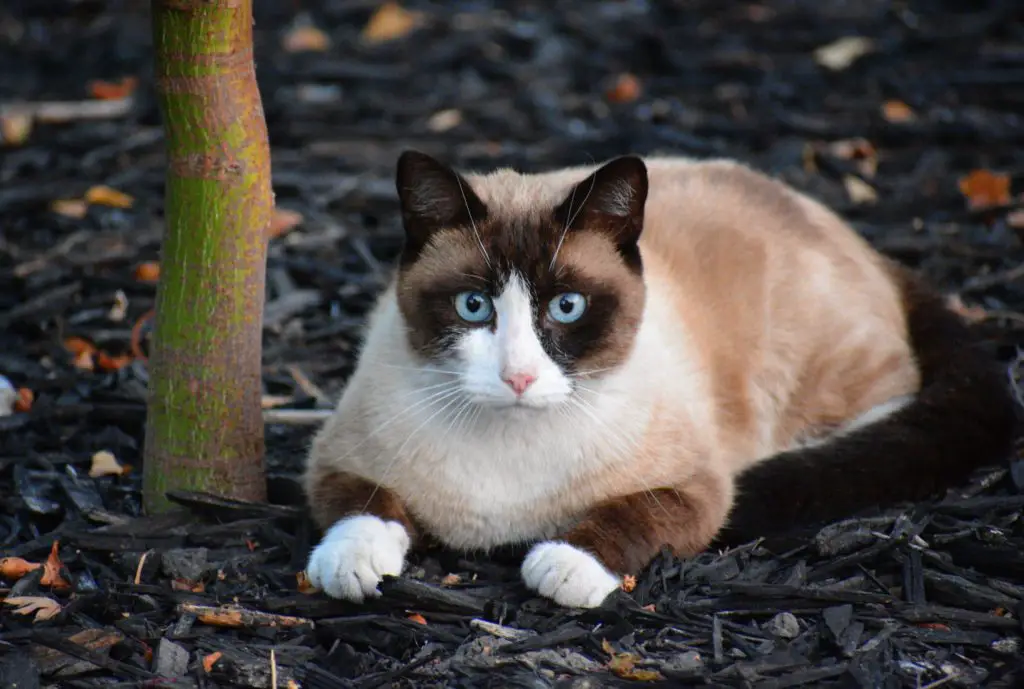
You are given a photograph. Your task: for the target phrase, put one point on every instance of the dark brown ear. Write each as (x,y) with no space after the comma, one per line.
(611,200)
(433,197)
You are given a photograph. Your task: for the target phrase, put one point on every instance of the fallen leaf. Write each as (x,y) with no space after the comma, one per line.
(25,399)
(650,607)
(304,584)
(83,361)
(187,585)
(443,120)
(389,22)
(51,569)
(211,660)
(972,314)
(624,665)
(626,89)
(105,362)
(77,345)
(43,607)
(843,52)
(1015,219)
(102,195)
(148,271)
(113,90)
(14,568)
(283,220)
(15,128)
(70,208)
(897,111)
(451,580)
(304,36)
(628,583)
(859,191)
(119,309)
(417,618)
(104,463)
(984,188)
(933,625)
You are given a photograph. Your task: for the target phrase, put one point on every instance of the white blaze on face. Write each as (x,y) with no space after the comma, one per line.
(509,366)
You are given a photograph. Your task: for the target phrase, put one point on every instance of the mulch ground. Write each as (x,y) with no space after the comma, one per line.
(906,117)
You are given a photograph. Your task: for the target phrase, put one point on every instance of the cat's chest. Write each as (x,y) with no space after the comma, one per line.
(480,491)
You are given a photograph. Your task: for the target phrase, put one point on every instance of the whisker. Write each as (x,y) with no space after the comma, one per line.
(472,222)
(571,219)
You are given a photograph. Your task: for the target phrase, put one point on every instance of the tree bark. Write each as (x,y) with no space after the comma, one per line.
(204,427)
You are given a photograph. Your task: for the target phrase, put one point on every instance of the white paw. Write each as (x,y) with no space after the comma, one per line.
(567,575)
(355,554)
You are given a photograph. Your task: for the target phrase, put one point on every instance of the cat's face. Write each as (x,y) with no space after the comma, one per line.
(522,306)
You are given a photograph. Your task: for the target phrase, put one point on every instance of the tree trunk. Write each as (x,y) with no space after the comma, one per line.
(205,428)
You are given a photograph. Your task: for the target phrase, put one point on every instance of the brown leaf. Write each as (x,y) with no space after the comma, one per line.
(14,568)
(148,271)
(102,195)
(304,584)
(211,660)
(188,585)
(626,89)
(104,463)
(451,580)
(105,362)
(70,208)
(43,607)
(933,625)
(628,583)
(1015,219)
(15,128)
(51,569)
(389,22)
(984,188)
(897,111)
(283,220)
(302,38)
(417,618)
(624,666)
(84,361)
(25,399)
(859,191)
(78,345)
(113,90)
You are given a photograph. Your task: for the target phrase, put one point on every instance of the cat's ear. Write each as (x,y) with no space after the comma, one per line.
(611,200)
(433,197)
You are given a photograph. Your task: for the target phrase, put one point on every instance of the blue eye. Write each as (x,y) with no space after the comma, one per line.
(475,307)
(567,307)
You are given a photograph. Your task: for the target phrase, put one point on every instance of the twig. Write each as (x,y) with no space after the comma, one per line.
(234,616)
(983,282)
(296,417)
(308,386)
(68,111)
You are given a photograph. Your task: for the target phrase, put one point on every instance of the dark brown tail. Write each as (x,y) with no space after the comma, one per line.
(964,417)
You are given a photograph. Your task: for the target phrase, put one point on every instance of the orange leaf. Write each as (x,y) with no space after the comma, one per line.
(51,570)
(147,272)
(84,361)
(112,363)
(210,660)
(625,90)
(389,22)
(419,619)
(934,625)
(304,584)
(628,583)
(451,580)
(897,111)
(43,607)
(78,345)
(25,399)
(107,90)
(102,195)
(282,220)
(984,188)
(14,568)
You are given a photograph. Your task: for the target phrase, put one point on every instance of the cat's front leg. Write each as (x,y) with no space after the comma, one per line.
(622,535)
(368,536)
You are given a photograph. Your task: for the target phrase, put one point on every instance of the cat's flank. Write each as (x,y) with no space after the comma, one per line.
(593,360)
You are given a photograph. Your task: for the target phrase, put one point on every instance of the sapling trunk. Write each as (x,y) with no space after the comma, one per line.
(204,428)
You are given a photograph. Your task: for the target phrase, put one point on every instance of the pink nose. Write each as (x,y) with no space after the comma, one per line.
(519,381)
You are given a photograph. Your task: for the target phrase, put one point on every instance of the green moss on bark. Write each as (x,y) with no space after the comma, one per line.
(204,427)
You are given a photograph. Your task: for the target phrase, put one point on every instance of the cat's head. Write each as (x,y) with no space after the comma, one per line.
(521,294)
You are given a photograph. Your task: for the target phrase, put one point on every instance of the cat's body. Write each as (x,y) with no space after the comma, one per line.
(725,319)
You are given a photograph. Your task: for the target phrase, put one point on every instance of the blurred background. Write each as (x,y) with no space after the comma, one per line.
(904,116)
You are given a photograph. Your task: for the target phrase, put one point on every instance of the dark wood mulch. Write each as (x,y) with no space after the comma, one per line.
(922,596)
